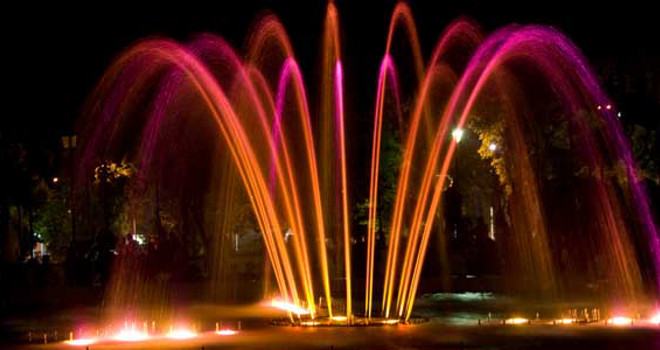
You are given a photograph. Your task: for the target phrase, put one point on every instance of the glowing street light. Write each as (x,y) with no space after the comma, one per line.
(56,180)
(457,134)
(492,147)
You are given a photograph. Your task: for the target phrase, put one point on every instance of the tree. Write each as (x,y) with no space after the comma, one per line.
(390,162)
(644,147)
(53,221)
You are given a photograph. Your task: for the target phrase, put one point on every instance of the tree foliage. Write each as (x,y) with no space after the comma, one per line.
(53,220)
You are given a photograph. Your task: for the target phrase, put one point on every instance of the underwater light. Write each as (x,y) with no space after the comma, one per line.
(390,321)
(339,318)
(181,334)
(516,320)
(131,335)
(620,321)
(81,341)
(565,321)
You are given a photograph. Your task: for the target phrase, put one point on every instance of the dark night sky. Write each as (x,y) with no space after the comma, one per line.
(57,53)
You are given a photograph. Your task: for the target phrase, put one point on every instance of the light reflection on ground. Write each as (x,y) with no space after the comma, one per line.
(474,323)
(407,337)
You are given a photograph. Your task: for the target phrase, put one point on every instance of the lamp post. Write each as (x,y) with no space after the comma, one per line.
(491,220)
(457,136)
(69,143)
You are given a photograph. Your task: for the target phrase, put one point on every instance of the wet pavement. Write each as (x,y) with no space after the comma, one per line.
(423,336)
(454,322)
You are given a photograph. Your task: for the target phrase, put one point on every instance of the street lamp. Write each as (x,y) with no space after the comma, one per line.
(69,143)
(457,134)
(492,146)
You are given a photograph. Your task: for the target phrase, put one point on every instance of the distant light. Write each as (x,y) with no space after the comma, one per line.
(457,134)
(492,147)
(140,239)
(81,342)
(181,334)
(618,114)
(620,321)
(55,180)
(599,107)
(516,320)
(339,318)
(226,332)
(608,107)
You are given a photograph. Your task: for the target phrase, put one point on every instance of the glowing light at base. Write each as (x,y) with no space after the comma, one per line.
(295,309)
(181,334)
(226,332)
(390,321)
(655,319)
(565,321)
(81,342)
(131,335)
(517,320)
(339,318)
(620,321)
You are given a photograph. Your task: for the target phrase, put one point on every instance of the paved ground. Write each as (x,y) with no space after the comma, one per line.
(453,324)
(425,336)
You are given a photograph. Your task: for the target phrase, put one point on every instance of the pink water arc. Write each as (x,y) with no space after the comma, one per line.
(160,99)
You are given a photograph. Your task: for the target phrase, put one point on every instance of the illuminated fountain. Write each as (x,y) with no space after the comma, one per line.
(161,98)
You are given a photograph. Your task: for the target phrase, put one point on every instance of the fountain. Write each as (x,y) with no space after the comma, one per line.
(163,103)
